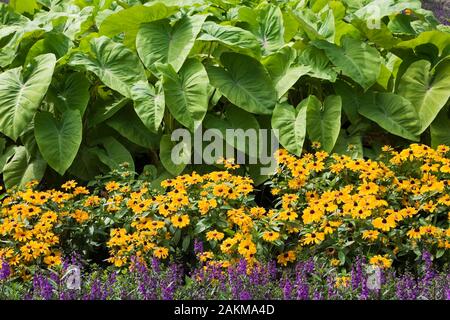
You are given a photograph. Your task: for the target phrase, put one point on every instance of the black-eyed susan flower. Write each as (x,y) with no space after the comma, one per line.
(161,252)
(381,261)
(384,223)
(271,236)
(313,238)
(214,235)
(286,257)
(180,221)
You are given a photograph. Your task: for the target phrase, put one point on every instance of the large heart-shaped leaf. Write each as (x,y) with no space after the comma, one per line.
(242,125)
(105,109)
(440,132)
(392,112)
(282,69)
(72,93)
(21,93)
(245,82)
(115,65)
(291,125)
(323,122)
(319,64)
(428,90)
(24,6)
(129,125)
(159,41)
(174,155)
(53,42)
(355,58)
(129,20)
(86,165)
(21,168)
(186,93)
(233,37)
(149,104)
(266,23)
(440,39)
(58,140)
(114,154)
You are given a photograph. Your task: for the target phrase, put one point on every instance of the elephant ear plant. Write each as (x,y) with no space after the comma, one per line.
(86,86)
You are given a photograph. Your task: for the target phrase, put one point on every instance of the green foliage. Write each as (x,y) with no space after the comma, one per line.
(134,71)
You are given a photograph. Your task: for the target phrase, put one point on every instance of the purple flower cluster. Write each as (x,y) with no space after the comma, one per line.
(440,8)
(5,270)
(307,280)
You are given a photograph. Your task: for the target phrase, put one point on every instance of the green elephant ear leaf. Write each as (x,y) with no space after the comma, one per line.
(440,133)
(355,58)
(158,41)
(114,154)
(266,23)
(58,140)
(291,125)
(129,125)
(240,121)
(129,20)
(24,6)
(232,37)
(245,82)
(103,110)
(318,62)
(21,169)
(70,94)
(186,93)
(149,104)
(428,91)
(440,39)
(392,112)
(21,93)
(175,163)
(115,65)
(323,122)
(86,165)
(56,43)
(283,71)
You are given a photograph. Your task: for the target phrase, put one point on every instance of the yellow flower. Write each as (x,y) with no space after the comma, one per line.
(180,221)
(227,245)
(80,216)
(161,252)
(368,188)
(221,190)
(214,235)
(112,186)
(384,224)
(316,145)
(414,233)
(247,248)
(69,185)
(371,235)
(313,238)
(205,256)
(381,261)
(270,236)
(286,215)
(342,282)
(53,260)
(286,257)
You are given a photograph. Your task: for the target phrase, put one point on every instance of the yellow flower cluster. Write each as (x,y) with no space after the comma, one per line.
(330,206)
(29,220)
(394,206)
(193,207)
